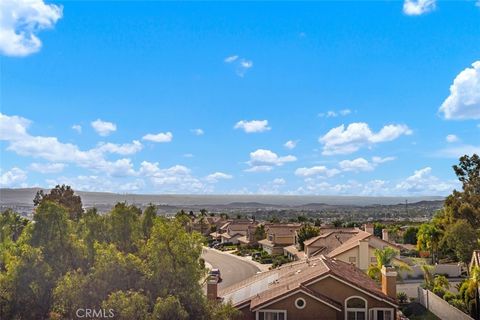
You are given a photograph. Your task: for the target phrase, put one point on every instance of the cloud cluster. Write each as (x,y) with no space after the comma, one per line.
(21,21)
(15,177)
(341,140)
(216,176)
(424,182)
(418,7)
(252,126)
(290,144)
(241,65)
(262,160)
(464,99)
(159,137)
(334,114)
(103,128)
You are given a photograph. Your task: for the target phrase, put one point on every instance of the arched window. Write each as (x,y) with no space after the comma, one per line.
(355,308)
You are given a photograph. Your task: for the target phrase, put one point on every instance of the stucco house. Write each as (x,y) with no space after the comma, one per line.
(279,236)
(318,288)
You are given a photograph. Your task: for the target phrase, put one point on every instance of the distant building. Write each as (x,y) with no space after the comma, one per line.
(279,236)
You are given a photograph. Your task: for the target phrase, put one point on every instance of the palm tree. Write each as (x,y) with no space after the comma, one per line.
(473,284)
(385,257)
(427,275)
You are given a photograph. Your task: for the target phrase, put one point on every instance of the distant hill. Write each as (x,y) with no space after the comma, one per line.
(26,195)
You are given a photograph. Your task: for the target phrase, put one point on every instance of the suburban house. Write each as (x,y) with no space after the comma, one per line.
(359,250)
(328,240)
(318,288)
(232,231)
(279,236)
(249,238)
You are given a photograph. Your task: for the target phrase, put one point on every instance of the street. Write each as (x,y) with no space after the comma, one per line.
(232,269)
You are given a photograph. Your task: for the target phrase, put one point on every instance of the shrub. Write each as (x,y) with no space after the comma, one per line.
(402,297)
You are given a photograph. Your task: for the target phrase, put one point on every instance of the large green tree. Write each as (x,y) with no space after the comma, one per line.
(65,196)
(306,232)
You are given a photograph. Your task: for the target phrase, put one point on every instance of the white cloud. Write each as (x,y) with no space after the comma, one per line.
(359,164)
(290,144)
(21,21)
(13,129)
(252,126)
(231,59)
(334,114)
(241,65)
(378,160)
(423,182)
(176,179)
(103,128)
(97,183)
(316,171)
(123,149)
(279,181)
(77,128)
(215,177)
(159,137)
(451,138)
(341,140)
(265,160)
(464,99)
(13,178)
(197,132)
(47,167)
(418,7)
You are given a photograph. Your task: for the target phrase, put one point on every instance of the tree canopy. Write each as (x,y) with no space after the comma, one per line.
(130,261)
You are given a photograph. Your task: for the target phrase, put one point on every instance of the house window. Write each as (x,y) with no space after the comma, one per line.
(272,315)
(381,314)
(355,308)
(300,303)
(352,259)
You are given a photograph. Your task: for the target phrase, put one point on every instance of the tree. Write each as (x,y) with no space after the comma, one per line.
(306,232)
(169,308)
(25,286)
(130,305)
(384,257)
(172,256)
(462,239)
(259,233)
(125,227)
(65,196)
(428,238)
(11,225)
(148,216)
(410,235)
(466,204)
(53,233)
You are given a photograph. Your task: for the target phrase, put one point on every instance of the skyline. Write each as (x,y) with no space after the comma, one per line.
(318,98)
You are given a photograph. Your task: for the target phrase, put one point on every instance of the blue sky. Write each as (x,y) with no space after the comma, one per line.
(362,98)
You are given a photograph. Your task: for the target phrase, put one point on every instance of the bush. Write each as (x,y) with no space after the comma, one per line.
(402,297)
(448,296)
(279,260)
(439,291)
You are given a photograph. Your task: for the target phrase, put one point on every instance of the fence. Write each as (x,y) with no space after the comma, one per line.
(440,307)
(451,270)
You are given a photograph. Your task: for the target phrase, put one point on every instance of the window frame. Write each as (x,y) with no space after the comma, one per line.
(347,309)
(373,312)
(257,313)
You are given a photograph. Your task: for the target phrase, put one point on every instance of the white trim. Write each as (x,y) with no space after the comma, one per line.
(365,309)
(304,303)
(297,291)
(353,286)
(270,310)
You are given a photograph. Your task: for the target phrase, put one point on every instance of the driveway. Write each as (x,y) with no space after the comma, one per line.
(232,269)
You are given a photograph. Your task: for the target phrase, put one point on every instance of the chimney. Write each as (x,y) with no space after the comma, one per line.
(212,289)
(368,227)
(389,281)
(363,254)
(385,235)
